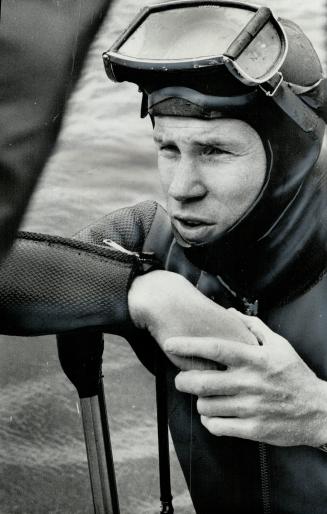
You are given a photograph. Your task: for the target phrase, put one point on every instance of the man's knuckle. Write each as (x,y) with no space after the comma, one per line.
(217,351)
(202,387)
(248,406)
(243,382)
(254,429)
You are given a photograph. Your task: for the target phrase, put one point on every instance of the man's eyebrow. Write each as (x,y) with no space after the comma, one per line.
(161,139)
(215,142)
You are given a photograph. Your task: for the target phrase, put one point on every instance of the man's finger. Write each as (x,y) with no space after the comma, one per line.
(209,383)
(230,353)
(231,427)
(261,331)
(236,406)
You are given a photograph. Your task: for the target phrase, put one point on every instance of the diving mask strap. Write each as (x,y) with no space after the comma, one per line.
(194,103)
(296,108)
(316,97)
(299,103)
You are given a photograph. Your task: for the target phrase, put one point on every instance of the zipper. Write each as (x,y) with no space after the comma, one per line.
(264,475)
(250,308)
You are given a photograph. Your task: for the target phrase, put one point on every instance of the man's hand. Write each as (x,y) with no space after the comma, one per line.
(267,393)
(168,305)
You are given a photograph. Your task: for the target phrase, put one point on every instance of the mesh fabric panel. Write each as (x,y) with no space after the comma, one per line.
(127,227)
(50,285)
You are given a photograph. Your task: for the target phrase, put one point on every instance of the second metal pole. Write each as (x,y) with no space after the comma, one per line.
(81,359)
(99,454)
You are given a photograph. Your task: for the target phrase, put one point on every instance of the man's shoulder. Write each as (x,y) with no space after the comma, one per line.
(144,226)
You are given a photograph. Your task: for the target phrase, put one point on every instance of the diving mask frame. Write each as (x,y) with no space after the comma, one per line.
(235,57)
(253,54)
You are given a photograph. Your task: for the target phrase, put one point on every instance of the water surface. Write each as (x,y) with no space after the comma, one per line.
(104,160)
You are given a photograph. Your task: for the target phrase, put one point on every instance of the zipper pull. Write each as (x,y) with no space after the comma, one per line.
(118,248)
(146,260)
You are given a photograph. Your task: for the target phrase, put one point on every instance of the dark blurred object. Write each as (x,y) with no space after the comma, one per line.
(43,44)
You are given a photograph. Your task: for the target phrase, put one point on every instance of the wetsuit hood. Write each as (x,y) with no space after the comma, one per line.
(265,252)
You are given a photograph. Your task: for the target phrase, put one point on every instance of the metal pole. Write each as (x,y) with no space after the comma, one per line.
(163,439)
(80,356)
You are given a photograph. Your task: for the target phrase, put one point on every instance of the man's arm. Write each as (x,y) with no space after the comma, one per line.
(167,305)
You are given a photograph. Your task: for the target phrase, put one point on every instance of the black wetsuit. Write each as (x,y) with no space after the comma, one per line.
(228,475)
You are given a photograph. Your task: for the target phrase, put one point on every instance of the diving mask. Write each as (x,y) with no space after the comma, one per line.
(231,49)
(190,36)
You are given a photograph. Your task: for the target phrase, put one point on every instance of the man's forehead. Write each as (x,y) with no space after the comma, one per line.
(177,126)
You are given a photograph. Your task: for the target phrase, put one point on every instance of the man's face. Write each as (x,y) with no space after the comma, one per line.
(211,172)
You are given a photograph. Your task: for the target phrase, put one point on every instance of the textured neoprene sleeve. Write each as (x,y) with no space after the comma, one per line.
(50,284)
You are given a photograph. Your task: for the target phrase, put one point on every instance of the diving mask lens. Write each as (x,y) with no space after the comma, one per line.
(184,36)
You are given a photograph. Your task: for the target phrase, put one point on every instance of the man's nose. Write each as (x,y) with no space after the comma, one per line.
(186,183)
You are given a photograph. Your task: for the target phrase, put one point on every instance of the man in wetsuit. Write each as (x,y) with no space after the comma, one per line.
(242,171)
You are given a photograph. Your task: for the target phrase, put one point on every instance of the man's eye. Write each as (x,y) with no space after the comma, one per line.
(212,150)
(169,149)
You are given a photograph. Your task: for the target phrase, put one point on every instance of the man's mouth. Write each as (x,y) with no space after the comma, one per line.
(191,222)
(192,229)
